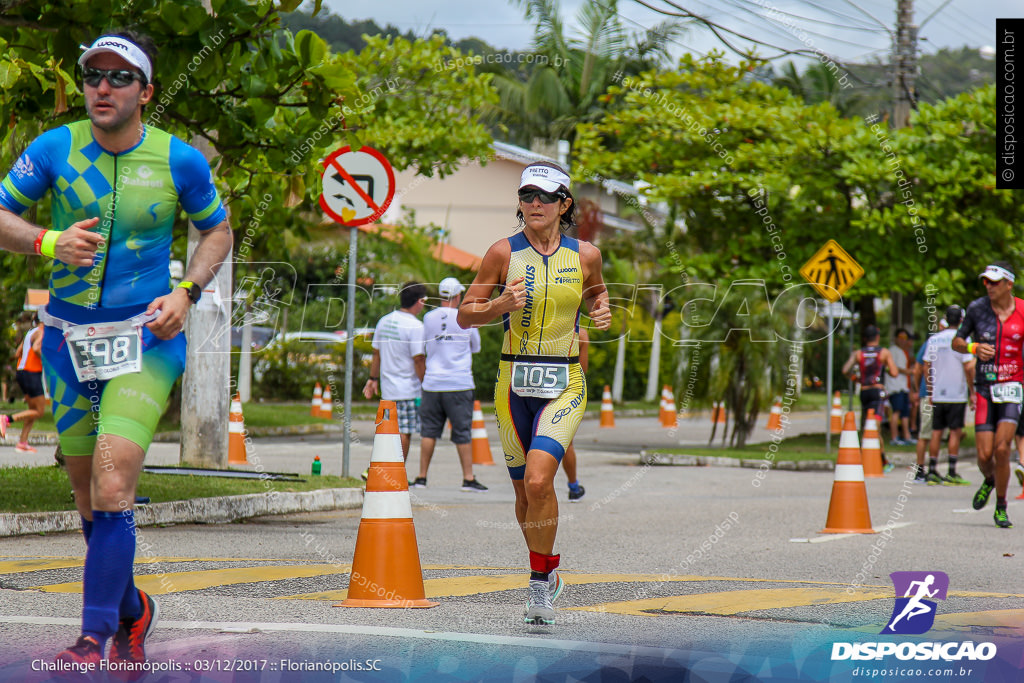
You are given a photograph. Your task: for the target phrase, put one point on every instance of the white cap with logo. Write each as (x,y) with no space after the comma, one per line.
(546,178)
(450,287)
(996,273)
(123,48)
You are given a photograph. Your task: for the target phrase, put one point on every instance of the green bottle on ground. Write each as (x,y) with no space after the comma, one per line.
(316,465)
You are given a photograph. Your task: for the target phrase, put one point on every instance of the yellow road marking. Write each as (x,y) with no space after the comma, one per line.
(735,602)
(176,582)
(1007,622)
(19,566)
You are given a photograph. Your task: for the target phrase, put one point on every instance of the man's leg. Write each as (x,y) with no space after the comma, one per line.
(426,453)
(465,451)
(117,463)
(1001,458)
(569,464)
(406,440)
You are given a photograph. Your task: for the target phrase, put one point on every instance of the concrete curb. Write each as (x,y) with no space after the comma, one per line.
(720,461)
(199,510)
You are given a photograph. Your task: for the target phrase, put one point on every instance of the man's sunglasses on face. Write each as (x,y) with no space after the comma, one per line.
(117,78)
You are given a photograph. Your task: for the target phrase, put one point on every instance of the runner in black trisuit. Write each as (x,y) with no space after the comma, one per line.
(995,323)
(871,360)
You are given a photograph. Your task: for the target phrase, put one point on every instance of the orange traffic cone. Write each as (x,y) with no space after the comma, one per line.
(848,511)
(326,407)
(386,568)
(775,417)
(607,411)
(836,425)
(236,433)
(481,445)
(718,412)
(314,409)
(871,451)
(669,420)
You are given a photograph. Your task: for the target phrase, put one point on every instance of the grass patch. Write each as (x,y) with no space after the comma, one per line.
(46,489)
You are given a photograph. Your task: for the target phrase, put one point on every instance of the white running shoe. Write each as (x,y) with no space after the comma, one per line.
(538,604)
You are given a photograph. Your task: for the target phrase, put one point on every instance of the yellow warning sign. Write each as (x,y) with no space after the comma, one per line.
(832,271)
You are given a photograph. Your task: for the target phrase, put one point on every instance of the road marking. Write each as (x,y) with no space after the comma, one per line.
(1004,622)
(176,582)
(734,602)
(836,537)
(237,627)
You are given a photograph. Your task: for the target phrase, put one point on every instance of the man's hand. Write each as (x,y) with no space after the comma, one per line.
(985,351)
(370,388)
(173,308)
(77,245)
(513,298)
(601,315)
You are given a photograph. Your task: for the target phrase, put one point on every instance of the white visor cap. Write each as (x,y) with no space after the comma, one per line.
(546,178)
(123,48)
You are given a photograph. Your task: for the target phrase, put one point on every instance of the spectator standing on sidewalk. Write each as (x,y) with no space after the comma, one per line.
(448,389)
(897,389)
(398,361)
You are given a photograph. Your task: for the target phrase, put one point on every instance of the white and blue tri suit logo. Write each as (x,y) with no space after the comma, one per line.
(916,592)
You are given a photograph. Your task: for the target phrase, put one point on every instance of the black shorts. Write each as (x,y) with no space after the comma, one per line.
(871,398)
(30,382)
(988,414)
(438,406)
(948,415)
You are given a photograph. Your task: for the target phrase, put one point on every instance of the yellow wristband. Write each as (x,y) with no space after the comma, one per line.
(48,245)
(971,347)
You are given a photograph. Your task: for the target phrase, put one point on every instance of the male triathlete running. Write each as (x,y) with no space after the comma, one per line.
(995,324)
(871,360)
(543,278)
(113,345)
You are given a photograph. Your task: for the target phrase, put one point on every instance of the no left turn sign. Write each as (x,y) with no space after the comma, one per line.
(358,186)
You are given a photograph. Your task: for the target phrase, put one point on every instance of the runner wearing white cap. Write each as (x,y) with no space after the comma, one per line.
(995,323)
(543,277)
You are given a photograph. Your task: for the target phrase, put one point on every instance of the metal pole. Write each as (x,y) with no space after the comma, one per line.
(350,325)
(828,386)
(853,324)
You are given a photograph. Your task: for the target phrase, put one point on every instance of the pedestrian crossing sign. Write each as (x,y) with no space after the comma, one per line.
(832,271)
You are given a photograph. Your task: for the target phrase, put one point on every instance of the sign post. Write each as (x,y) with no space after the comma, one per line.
(832,272)
(358,186)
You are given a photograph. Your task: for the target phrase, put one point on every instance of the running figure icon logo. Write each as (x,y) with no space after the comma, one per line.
(914,614)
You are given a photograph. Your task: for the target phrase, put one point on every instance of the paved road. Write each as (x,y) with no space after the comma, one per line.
(710,571)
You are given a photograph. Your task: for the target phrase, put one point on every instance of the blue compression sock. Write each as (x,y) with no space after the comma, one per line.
(131,604)
(108,571)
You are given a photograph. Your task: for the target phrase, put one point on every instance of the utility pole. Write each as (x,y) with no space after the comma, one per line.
(904,65)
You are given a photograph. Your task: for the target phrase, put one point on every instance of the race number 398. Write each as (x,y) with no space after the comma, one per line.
(106,351)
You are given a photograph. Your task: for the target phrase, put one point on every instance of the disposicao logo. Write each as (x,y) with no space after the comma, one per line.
(914,614)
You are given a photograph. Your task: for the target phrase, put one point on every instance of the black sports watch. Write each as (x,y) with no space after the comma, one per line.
(194,291)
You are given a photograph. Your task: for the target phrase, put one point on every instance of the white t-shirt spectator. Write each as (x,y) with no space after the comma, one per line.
(949,382)
(900,382)
(450,350)
(398,338)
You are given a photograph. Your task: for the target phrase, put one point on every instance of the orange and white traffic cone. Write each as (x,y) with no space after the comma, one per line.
(236,433)
(326,406)
(607,410)
(848,511)
(669,421)
(314,409)
(386,568)
(718,412)
(871,451)
(836,425)
(481,444)
(775,417)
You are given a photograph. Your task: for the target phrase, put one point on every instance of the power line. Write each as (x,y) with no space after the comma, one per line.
(802,29)
(845,27)
(647,29)
(837,14)
(718,29)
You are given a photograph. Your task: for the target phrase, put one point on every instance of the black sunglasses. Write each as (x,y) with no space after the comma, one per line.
(528,196)
(117,78)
